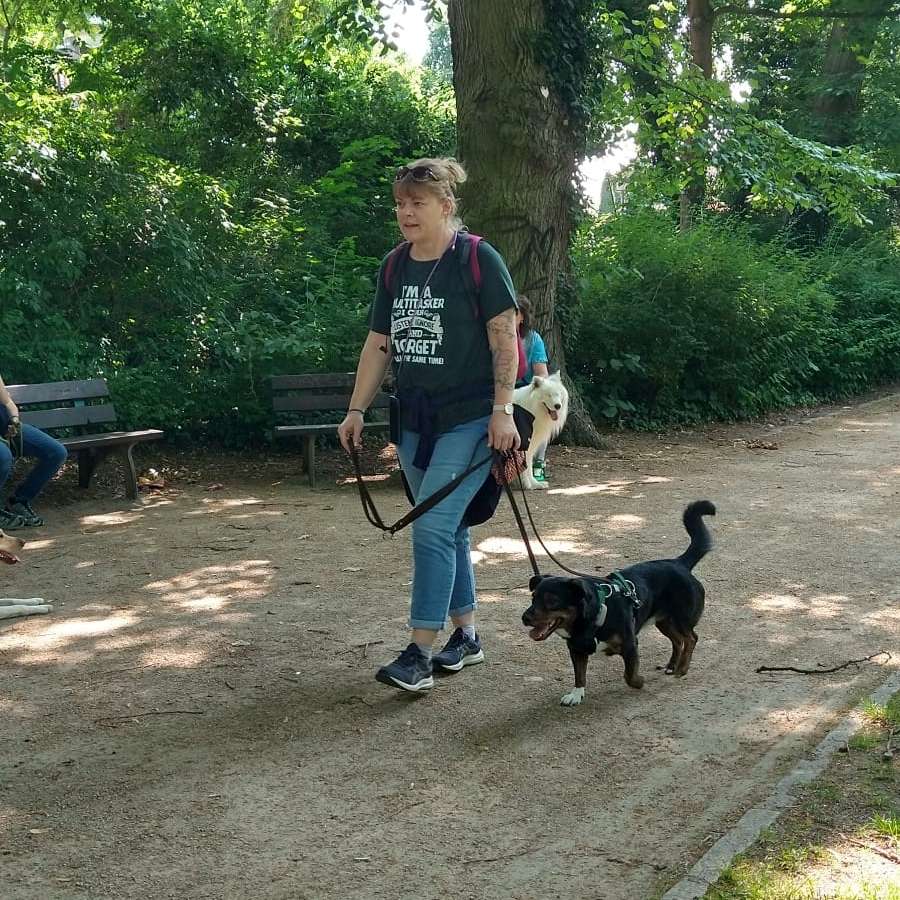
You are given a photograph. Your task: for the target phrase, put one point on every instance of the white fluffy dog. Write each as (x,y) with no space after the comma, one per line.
(548,401)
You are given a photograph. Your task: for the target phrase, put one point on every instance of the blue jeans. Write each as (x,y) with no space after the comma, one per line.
(443,579)
(50,455)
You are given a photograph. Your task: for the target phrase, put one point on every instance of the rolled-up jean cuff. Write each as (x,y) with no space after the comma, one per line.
(462,610)
(428,626)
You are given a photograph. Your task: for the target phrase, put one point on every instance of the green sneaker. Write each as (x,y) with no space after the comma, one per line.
(22,509)
(537,470)
(9,521)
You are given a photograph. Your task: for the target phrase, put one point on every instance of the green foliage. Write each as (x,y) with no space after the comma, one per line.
(572,50)
(199,196)
(889,826)
(205,205)
(887,715)
(689,124)
(714,323)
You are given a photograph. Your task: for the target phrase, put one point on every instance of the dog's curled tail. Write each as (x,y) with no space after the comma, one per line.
(701,542)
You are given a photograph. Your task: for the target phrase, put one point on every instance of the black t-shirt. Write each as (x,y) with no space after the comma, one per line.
(438,335)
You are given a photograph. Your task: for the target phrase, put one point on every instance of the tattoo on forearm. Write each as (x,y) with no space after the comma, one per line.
(504,350)
(504,364)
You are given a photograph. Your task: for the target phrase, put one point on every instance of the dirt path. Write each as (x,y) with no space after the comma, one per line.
(198,717)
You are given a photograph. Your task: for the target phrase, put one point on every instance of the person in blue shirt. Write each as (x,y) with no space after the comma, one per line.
(536,364)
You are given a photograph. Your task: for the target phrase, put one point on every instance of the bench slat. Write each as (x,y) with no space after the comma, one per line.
(69,417)
(312,402)
(324,392)
(305,382)
(87,441)
(58,391)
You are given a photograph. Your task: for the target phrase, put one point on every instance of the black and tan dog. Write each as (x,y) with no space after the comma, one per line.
(609,612)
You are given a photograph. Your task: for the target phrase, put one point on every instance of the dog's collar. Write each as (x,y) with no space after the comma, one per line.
(601,603)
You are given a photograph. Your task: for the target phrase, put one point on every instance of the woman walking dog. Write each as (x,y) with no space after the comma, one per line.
(455,358)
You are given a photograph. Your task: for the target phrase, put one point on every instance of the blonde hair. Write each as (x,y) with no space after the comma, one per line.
(448,175)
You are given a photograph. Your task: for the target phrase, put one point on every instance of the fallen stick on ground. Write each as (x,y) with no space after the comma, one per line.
(850,662)
(109,720)
(881,851)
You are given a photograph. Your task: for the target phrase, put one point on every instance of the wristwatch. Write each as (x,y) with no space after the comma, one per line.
(504,408)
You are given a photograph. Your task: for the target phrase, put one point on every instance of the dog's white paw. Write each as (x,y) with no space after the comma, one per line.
(529,483)
(573,698)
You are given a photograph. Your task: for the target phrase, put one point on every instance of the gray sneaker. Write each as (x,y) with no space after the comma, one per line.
(410,671)
(22,509)
(459,651)
(9,521)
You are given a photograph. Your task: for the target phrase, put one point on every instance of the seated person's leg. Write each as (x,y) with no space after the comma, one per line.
(8,521)
(50,455)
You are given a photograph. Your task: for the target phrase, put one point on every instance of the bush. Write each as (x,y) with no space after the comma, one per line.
(187,246)
(714,323)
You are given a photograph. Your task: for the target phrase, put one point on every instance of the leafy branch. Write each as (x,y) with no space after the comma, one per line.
(762,12)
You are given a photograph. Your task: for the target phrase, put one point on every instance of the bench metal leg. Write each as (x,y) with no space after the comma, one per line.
(87,462)
(131,486)
(309,453)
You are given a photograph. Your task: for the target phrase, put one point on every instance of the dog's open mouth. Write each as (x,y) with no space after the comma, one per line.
(542,632)
(8,558)
(553,413)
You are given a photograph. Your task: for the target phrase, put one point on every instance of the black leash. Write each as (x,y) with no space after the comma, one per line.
(15,441)
(375,519)
(419,509)
(524,533)
(520,523)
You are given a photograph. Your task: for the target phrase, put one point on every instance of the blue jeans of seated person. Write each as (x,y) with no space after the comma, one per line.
(443,579)
(50,455)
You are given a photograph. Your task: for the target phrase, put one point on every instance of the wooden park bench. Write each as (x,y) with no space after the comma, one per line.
(321,402)
(68,410)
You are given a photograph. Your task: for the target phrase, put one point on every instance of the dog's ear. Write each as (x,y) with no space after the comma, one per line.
(537,381)
(535,581)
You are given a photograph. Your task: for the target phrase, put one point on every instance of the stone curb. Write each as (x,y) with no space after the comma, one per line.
(708,868)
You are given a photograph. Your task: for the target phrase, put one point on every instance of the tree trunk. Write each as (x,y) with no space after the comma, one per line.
(701,19)
(849,42)
(521,151)
(835,103)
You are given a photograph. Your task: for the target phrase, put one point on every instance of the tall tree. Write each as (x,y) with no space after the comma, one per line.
(834,104)
(701,17)
(521,141)
(849,45)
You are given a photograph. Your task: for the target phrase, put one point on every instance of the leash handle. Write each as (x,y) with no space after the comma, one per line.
(365,497)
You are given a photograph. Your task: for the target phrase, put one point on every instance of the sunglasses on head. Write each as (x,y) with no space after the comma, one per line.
(417,173)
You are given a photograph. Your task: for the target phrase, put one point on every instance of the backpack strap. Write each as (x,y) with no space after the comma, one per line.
(470,268)
(474,265)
